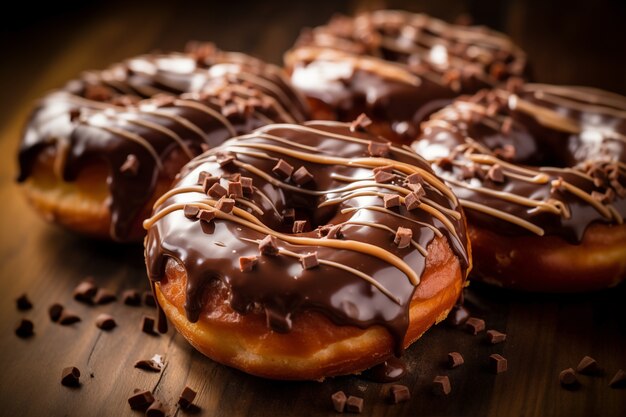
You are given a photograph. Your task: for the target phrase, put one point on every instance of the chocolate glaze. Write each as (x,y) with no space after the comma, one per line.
(398,67)
(363,278)
(562,151)
(151,107)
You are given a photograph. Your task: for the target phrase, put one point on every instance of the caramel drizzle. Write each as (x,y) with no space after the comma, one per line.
(417,246)
(387,211)
(503,216)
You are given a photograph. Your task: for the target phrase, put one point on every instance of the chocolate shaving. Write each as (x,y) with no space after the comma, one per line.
(379,149)
(85,291)
(618,380)
(148,299)
(567,377)
(412,201)
(54,312)
(496,174)
(495,337)
(455,359)
(441,385)
(354,404)
(309,260)
(235,189)
(186,397)
(475,325)
(588,366)
(298,226)
(217,191)
(70,376)
(104,296)
(191,212)
(282,169)
(302,176)
(147,325)
(68,317)
(23,303)
(130,166)
(225,205)
(247,263)
(497,363)
(339,401)
(268,246)
(105,322)
(360,123)
(391,200)
(403,237)
(24,329)
(206,215)
(140,400)
(400,393)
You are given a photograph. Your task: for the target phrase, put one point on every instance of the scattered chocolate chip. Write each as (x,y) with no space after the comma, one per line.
(497,363)
(269,246)
(400,393)
(618,380)
(417,189)
(131,298)
(54,311)
(379,148)
(130,166)
(302,176)
(385,168)
(206,215)
(309,260)
(191,212)
(354,404)
(441,385)
(140,400)
(360,123)
(148,299)
(225,159)
(339,401)
(207,181)
(298,226)
(495,337)
(217,191)
(567,377)
(475,325)
(70,376)
(148,365)
(235,189)
(403,237)
(247,263)
(147,325)
(246,184)
(455,359)
(496,174)
(68,317)
(105,322)
(104,296)
(156,409)
(412,201)
(391,200)
(414,178)
(85,291)
(225,204)
(282,169)
(186,397)
(202,176)
(334,232)
(588,366)
(23,303)
(383,177)
(24,328)
(458,315)
(323,230)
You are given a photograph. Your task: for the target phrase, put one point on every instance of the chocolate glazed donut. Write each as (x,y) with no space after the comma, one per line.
(397,67)
(541,174)
(305,251)
(96,153)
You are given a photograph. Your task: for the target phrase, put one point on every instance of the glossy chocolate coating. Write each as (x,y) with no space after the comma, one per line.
(342,192)
(151,107)
(398,67)
(561,151)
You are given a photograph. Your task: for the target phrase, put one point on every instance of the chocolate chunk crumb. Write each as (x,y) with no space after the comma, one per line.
(246,184)
(418,189)
(54,311)
(191,212)
(268,246)
(567,377)
(148,299)
(588,366)
(70,376)
(206,215)
(379,149)
(148,365)
(618,380)
(323,230)
(495,337)
(131,298)
(383,177)
(339,401)
(217,191)
(147,325)
(309,260)
(385,168)
(24,328)
(360,123)
(225,159)
(85,291)
(225,204)
(475,325)
(400,394)
(140,400)
(457,316)
(186,397)
(156,409)
(302,176)
(354,404)
(412,201)
(403,237)
(298,226)
(235,189)
(68,317)
(497,363)
(104,296)
(23,303)
(130,166)
(334,232)
(455,359)
(414,178)
(202,176)
(391,200)
(496,174)
(105,322)
(207,181)
(283,169)
(441,385)
(247,263)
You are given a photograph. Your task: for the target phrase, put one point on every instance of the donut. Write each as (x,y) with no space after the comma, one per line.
(540,171)
(96,153)
(326,250)
(397,67)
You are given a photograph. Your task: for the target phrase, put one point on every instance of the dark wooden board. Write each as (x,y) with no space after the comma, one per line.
(546,333)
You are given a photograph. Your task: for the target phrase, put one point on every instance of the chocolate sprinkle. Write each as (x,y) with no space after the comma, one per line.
(104,296)
(441,385)
(414,178)
(282,169)
(105,322)
(497,363)
(567,377)
(455,359)
(354,404)
(235,189)
(400,394)
(217,191)
(302,176)
(475,325)
(225,204)
(54,311)
(208,181)
(130,166)
(412,201)
(131,298)
(298,226)
(140,400)
(70,376)
(268,246)
(186,397)
(403,237)
(309,260)
(495,337)
(618,380)
(191,212)
(24,328)
(23,303)
(206,215)
(391,200)
(383,177)
(379,149)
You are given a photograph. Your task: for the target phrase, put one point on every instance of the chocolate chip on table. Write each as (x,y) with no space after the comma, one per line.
(339,401)
(455,359)
(70,376)
(441,385)
(148,299)
(567,377)
(140,400)
(24,328)
(458,316)
(23,303)
(497,363)
(104,296)
(147,325)
(55,311)
(495,337)
(105,322)
(588,366)
(247,263)
(618,380)
(354,404)
(148,365)
(131,298)
(400,393)
(85,291)
(475,325)
(186,397)
(156,409)
(68,317)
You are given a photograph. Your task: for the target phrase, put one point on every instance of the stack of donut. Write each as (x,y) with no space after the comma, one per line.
(297,249)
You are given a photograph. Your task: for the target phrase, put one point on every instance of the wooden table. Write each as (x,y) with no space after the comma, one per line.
(545,333)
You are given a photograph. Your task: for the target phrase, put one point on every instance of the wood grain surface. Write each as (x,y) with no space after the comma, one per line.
(567,43)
